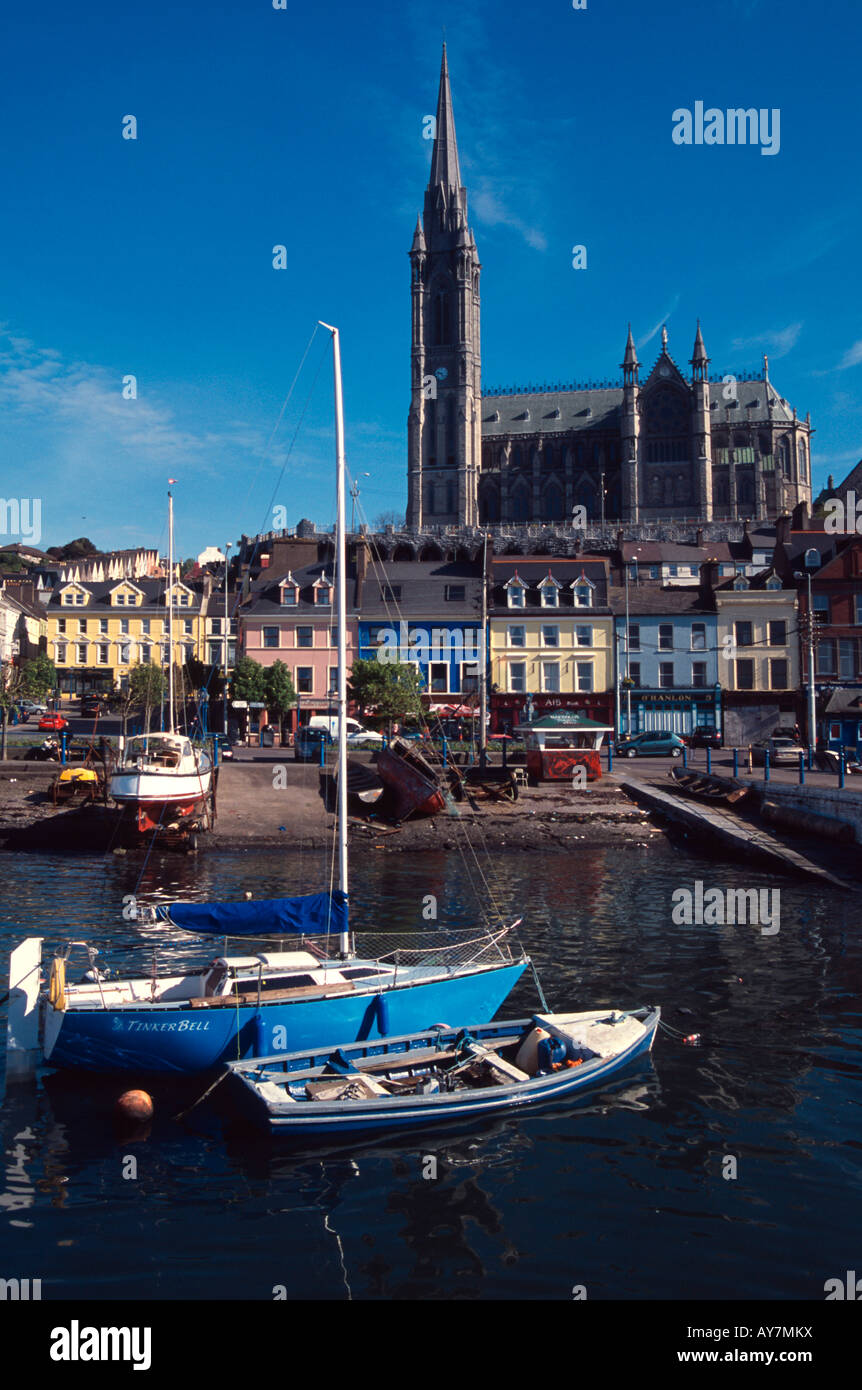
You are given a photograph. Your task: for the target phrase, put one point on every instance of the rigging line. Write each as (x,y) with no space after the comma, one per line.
(284,406)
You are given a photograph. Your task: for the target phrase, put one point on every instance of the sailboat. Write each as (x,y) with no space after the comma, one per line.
(162,777)
(268,1000)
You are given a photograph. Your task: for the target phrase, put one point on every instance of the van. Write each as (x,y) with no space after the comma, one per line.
(355,731)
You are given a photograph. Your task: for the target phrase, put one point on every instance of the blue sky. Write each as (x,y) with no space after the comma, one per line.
(303,127)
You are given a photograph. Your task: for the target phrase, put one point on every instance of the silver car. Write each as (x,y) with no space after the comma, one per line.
(781,750)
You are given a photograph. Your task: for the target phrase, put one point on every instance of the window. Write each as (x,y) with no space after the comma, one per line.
(550,635)
(847,656)
(777,675)
(517,636)
(439,677)
(390,593)
(215,653)
(305,636)
(215,627)
(665,675)
(124,626)
(634,643)
(857,603)
(550,596)
(183,601)
(290,596)
(270,636)
(120,600)
(778,633)
(103,626)
(665,637)
(82,624)
(673,571)
(61,653)
(584,676)
(745,675)
(583,596)
(166,653)
(653,571)
(635,672)
(826,658)
(333,680)
(187,627)
(551,677)
(469,677)
(516,597)
(305,680)
(744,635)
(80,600)
(68,599)
(821,607)
(455,593)
(333,637)
(698,674)
(124,655)
(698,637)
(518,677)
(81,653)
(774,582)
(103,653)
(323,596)
(583,636)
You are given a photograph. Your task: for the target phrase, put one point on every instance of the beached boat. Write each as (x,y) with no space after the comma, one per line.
(269,999)
(442,1074)
(412,788)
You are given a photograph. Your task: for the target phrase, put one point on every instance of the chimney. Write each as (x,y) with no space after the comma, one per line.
(708,578)
(361,569)
(698,537)
(782,529)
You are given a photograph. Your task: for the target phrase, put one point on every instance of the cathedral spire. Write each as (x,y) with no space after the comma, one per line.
(418,236)
(699,357)
(631,357)
(445,169)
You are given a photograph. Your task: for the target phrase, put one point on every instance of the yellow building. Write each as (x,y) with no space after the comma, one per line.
(550,639)
(97,632)
(758,656)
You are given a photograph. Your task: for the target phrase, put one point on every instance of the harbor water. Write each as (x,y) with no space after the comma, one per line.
(727,1166)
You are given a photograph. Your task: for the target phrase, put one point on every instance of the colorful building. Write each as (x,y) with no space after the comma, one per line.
(759,670)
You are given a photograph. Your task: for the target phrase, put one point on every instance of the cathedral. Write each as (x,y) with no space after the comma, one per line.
(668,443)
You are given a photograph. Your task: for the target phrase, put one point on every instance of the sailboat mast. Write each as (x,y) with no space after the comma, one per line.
(341,611)
(170,611)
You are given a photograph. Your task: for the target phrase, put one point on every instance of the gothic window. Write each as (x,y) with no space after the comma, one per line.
(680,488)
(721,492)
(450,497)
(450,433)
(803,468)
(668,491)
(745,489)
(586,497)
(520,503)
(517,459)
(553,508)
(548,458)
(784,456)
(489,505)
(655,490)
(442,325)
(429,498)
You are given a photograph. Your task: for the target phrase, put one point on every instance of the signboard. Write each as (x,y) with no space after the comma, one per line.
(239,704)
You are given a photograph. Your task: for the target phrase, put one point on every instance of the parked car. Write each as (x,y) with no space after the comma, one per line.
(704,738)
(225,748)
(92,706)
(53,722)
(781,750)
(659,744)
(27,708)
(356,732)
(306,747)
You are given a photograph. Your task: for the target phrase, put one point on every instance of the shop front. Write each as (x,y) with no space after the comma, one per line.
(508,710)
(678,711)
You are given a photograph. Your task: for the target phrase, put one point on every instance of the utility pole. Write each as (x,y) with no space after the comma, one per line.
(226,639)
(602,487)
(628,659)
(483,659)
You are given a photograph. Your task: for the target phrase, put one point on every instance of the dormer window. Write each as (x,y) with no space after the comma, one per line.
(582,590)
(741,582)
(774,582)
(120,600)
(549,591)
(323,593)
(516,591)
(289,595)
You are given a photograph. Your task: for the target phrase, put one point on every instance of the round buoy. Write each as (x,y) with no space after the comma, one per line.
(134,1105)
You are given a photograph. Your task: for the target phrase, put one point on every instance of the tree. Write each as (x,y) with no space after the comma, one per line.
(10,561)
(10,692)
(74,550)
(389,518)
(145,690)
(391,689)
(248,683)
(38,677)
(280,693)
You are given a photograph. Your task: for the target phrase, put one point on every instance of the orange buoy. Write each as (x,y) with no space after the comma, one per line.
(134,1105)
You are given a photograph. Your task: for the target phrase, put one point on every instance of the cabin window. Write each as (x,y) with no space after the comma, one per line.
(745,675)
(517,636)
(778,633)
(270,637)
(305,680)
(550,635)
(778,675)
(584,676)
(518,678)
(551,677)
(665,675)
(698,637)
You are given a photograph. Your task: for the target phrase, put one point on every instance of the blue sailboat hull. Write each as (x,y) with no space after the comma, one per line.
(180,1040)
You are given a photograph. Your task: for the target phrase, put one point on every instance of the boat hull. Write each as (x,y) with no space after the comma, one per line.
(316,1120)
(155,788)
(181,1040)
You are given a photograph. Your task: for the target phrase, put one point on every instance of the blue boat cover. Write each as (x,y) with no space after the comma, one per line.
(315,915)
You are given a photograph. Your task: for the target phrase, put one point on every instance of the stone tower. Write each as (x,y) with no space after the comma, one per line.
(701,427)
(444,426)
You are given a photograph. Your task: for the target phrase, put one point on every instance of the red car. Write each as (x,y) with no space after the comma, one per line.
(53,722)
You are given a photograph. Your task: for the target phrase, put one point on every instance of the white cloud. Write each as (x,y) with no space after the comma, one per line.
(852,357)
(659,324)
(776,342)
(490,208)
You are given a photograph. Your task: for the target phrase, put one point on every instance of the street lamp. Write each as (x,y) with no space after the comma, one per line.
(226,632)
(354,497)
(812,563)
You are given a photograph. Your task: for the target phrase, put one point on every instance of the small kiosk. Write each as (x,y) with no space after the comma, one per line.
(560,742)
